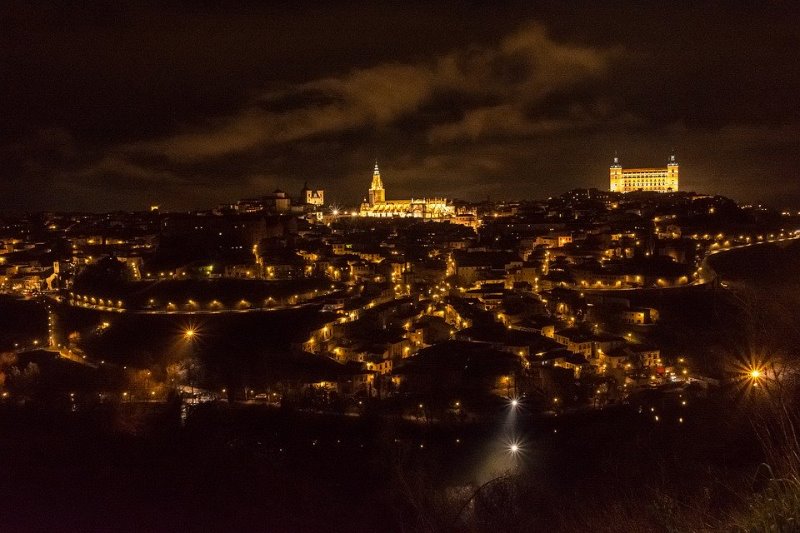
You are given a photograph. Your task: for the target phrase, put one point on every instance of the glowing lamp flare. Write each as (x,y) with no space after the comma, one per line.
(515,448)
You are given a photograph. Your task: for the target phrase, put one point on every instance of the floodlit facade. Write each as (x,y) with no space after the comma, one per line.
(312,196)
(644,179)
(376,204)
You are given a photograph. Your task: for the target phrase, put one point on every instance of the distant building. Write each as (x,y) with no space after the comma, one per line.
(249,205)
(662,179)
(311,196)
(278,202)
(640,315)
(377,206)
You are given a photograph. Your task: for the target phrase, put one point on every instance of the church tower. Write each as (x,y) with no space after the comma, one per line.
(376,193)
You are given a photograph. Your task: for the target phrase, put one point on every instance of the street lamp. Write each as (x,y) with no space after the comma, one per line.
(755,375)
(515,447)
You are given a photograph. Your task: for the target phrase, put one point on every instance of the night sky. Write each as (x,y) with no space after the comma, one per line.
(118,107)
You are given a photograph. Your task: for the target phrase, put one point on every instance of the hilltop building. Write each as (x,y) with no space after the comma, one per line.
(279,202)
(661,179)
(376,205)
(312,196)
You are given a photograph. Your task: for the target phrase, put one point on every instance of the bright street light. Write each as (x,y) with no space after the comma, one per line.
(515,447)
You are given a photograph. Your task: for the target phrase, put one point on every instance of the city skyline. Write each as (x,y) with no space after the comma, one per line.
(121,107)
(415,266)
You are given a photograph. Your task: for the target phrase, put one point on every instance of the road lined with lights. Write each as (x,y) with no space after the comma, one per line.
(95,307)
(710,253)
(191,306)
(700,281)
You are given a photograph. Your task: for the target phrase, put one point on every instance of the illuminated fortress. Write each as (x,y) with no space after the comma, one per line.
(376,204)
(664,179)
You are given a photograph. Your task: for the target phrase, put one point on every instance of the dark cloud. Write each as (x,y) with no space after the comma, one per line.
(383,94)
(121,105)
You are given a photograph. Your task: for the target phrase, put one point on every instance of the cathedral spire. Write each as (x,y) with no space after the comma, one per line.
(377,183)
(376,192)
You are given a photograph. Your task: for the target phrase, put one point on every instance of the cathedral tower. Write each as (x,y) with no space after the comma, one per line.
(376,193)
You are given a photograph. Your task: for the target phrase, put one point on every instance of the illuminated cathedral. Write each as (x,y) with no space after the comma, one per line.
(376,205)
